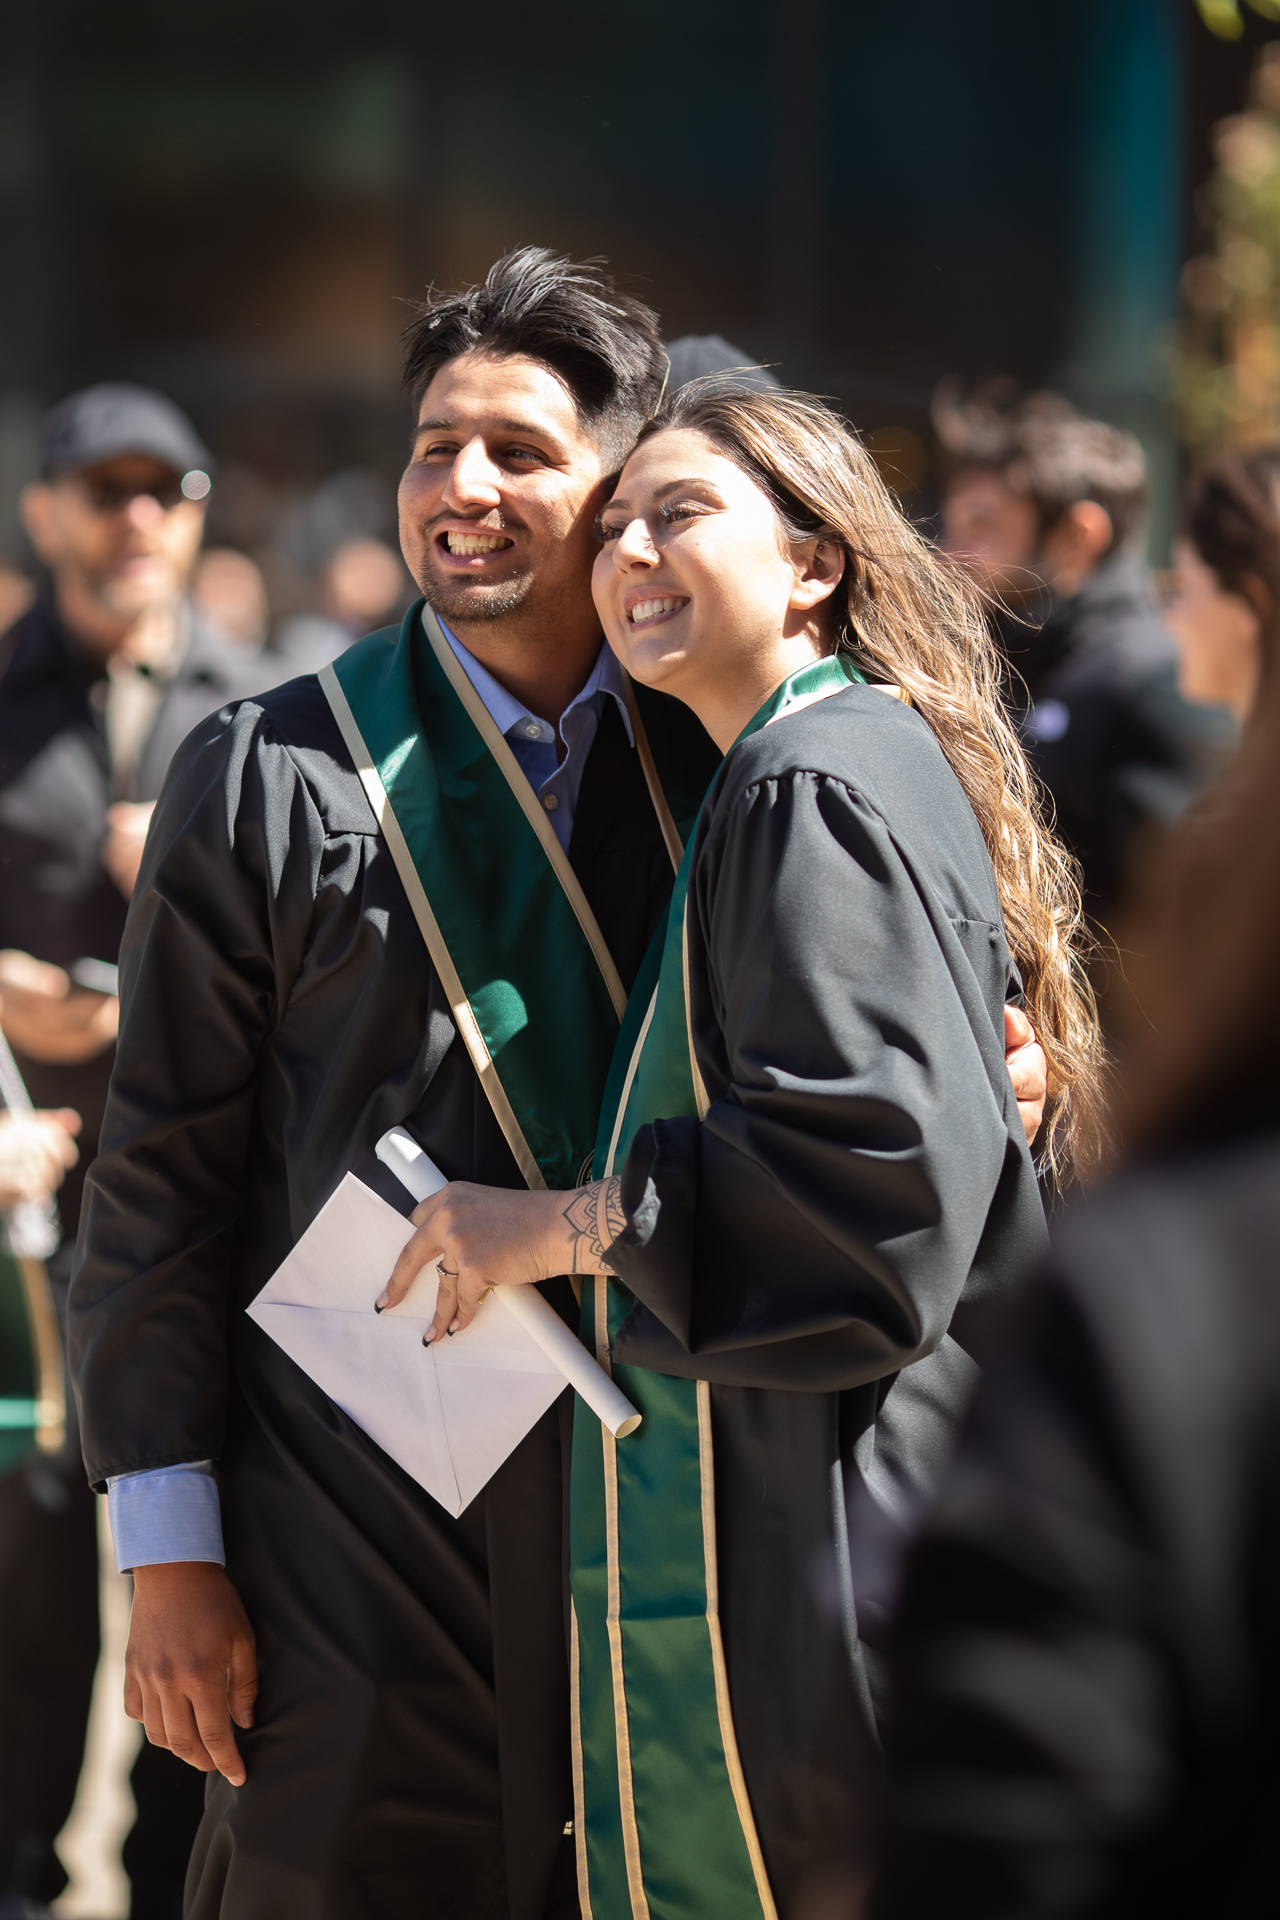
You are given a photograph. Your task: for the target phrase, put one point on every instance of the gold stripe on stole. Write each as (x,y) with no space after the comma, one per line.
(486,726)
(724,1707)
(699,1084)
(579,1786)
(613,1627)
(707,1481)
(674,846)
(632,1068)
(46,1340)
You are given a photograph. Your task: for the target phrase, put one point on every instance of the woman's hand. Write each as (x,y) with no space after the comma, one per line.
(492,1237)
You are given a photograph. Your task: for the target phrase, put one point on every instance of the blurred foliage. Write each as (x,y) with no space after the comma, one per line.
(1224,18)
(1227,356)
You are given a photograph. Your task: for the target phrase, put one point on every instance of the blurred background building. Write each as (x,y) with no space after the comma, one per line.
(231,199)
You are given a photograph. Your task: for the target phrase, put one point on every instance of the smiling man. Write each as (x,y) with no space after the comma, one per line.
(408,1752)
(382,1687)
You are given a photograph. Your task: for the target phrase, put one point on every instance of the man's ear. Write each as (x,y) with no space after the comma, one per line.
(819,568)
(1074,545)
(38,512)
(1256,591)
(1092,527)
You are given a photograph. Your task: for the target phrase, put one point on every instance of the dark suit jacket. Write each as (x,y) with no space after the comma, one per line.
(1106,729)
(56,900)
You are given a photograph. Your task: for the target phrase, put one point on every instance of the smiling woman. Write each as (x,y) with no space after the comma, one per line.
(810,1178)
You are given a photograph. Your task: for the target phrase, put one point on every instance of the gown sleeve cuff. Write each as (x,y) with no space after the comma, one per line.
(165,1514)
(653,1254)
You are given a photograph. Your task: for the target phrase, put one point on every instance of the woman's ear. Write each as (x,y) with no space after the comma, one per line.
(819,567)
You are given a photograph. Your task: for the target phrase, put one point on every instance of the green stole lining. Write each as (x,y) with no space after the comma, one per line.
(662,1815)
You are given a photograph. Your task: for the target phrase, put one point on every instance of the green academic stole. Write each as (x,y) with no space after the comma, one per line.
(531,985)
(663,1820)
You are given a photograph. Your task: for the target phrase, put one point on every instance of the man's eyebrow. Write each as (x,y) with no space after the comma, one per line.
(441,425)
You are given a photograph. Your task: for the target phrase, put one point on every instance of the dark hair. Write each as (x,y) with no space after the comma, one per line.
(1044,450)
(1231,515)
(568,314)
(911,621)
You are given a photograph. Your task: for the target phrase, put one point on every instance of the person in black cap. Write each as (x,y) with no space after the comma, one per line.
(100,680)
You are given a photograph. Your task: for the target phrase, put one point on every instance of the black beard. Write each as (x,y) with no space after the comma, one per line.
(463,601)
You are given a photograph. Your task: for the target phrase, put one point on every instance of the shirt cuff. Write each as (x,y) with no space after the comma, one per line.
(164,1514)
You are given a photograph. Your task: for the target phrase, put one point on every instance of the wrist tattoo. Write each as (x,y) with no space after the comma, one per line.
(597,1217)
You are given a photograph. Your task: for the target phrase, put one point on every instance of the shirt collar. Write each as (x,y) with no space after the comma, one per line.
(507,712)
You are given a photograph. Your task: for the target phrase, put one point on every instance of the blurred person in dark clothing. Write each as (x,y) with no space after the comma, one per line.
(229,590)
(1086,1673)
(1047,511)
(16,593)
(1220,607)
(100,680)
(363,584)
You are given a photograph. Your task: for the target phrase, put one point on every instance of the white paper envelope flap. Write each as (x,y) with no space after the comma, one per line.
(449,1414)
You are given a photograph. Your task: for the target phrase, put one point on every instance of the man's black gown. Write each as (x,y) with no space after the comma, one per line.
(411,1752)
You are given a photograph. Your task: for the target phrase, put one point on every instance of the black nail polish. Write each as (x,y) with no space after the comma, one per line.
(376,1307)
(425,1341)
(451,1331)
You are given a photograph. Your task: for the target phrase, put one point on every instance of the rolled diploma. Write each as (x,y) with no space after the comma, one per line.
(418,1172)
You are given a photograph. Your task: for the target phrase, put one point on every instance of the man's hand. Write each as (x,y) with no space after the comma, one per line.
(1028,1069)
(190,1668)
(35,1151)
(127,823)
(47,1018)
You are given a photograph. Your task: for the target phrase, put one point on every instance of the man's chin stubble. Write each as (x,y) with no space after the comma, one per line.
(464,600)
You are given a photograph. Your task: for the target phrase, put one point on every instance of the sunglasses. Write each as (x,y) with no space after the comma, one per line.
(107,495)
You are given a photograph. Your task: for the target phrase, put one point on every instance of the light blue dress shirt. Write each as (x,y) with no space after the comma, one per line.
(159,1514)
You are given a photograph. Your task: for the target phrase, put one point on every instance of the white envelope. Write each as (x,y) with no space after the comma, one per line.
(450,1413)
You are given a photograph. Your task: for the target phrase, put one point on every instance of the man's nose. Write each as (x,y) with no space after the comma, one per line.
(473,479)
(143,511)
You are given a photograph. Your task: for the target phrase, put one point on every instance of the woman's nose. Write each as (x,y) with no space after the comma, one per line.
(473,478)
(635,545)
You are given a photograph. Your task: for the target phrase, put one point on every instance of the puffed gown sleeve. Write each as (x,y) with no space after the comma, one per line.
(216,932)
(861,1156)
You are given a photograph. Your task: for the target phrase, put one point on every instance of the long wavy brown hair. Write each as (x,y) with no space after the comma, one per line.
(912,621)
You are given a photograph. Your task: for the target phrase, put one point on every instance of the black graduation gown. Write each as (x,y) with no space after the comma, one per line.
(279,1013)
(1086,1663)
(858,1198)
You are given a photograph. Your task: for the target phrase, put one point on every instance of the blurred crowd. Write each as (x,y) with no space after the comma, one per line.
(1058,1704)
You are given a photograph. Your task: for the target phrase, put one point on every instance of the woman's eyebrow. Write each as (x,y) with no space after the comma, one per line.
(675,486)
(661,493)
